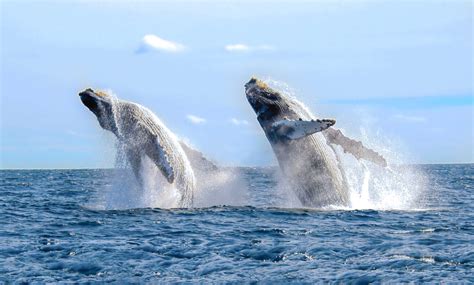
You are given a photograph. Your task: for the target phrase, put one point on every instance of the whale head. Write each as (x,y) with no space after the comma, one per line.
(269,105)
(101,104)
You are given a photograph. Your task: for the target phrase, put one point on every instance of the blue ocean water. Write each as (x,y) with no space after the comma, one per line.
(49,233)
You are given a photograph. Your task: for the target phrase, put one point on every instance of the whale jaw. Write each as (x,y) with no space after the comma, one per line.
(88,99)
(297,140)
(100,104)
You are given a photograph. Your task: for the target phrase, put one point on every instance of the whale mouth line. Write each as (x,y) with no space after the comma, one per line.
(94,100)
(91,98)
(91,93)
(89,101)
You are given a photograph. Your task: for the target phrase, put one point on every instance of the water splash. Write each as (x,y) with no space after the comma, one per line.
(225,186)
(396,187)
(221,187)
(125,192)
(151,190)
(370,187)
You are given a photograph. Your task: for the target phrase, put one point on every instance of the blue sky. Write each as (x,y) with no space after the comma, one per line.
(398,75)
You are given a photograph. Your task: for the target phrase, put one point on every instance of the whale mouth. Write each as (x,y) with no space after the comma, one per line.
(253,92)
(89,99)
(100,104)
(255,87)
(260,96)
(92,99)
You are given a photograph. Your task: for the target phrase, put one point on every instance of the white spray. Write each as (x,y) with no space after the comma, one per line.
(213,187)
(398,186)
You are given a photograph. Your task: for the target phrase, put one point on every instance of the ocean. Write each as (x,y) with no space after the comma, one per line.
(56,225)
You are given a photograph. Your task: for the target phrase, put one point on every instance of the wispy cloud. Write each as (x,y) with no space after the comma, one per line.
(247,48)
(153,42)
(411,119)
(238,122)
(195,119)
(237,47)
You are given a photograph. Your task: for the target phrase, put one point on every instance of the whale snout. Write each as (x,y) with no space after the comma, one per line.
(89,99)
(254,86)
(100,104)
(251,83)
(251,91)
(87,92)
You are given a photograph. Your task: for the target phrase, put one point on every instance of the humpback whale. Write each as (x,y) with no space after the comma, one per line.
(304,146)
(143,134)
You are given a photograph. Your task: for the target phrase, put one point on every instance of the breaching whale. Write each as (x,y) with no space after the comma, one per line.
(143,134)
(304,146)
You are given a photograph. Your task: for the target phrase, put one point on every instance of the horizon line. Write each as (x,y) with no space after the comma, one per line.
(224,166)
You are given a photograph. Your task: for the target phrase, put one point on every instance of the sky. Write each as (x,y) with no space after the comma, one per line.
(397,75)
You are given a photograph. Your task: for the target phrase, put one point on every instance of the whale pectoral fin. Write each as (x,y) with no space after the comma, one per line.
(157,154)
(135,159)
(294,130)
(197,159)
(354,147)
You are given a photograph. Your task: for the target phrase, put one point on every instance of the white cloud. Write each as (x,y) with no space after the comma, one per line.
(247,48)
(264,47)
(413,119)
(195,119)
(157,43)
(238,122)
(237,47)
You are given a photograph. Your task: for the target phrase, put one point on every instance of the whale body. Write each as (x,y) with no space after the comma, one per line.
(143,134)
(304,146)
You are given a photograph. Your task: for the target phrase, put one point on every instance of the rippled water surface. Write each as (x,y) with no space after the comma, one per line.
(48,234)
